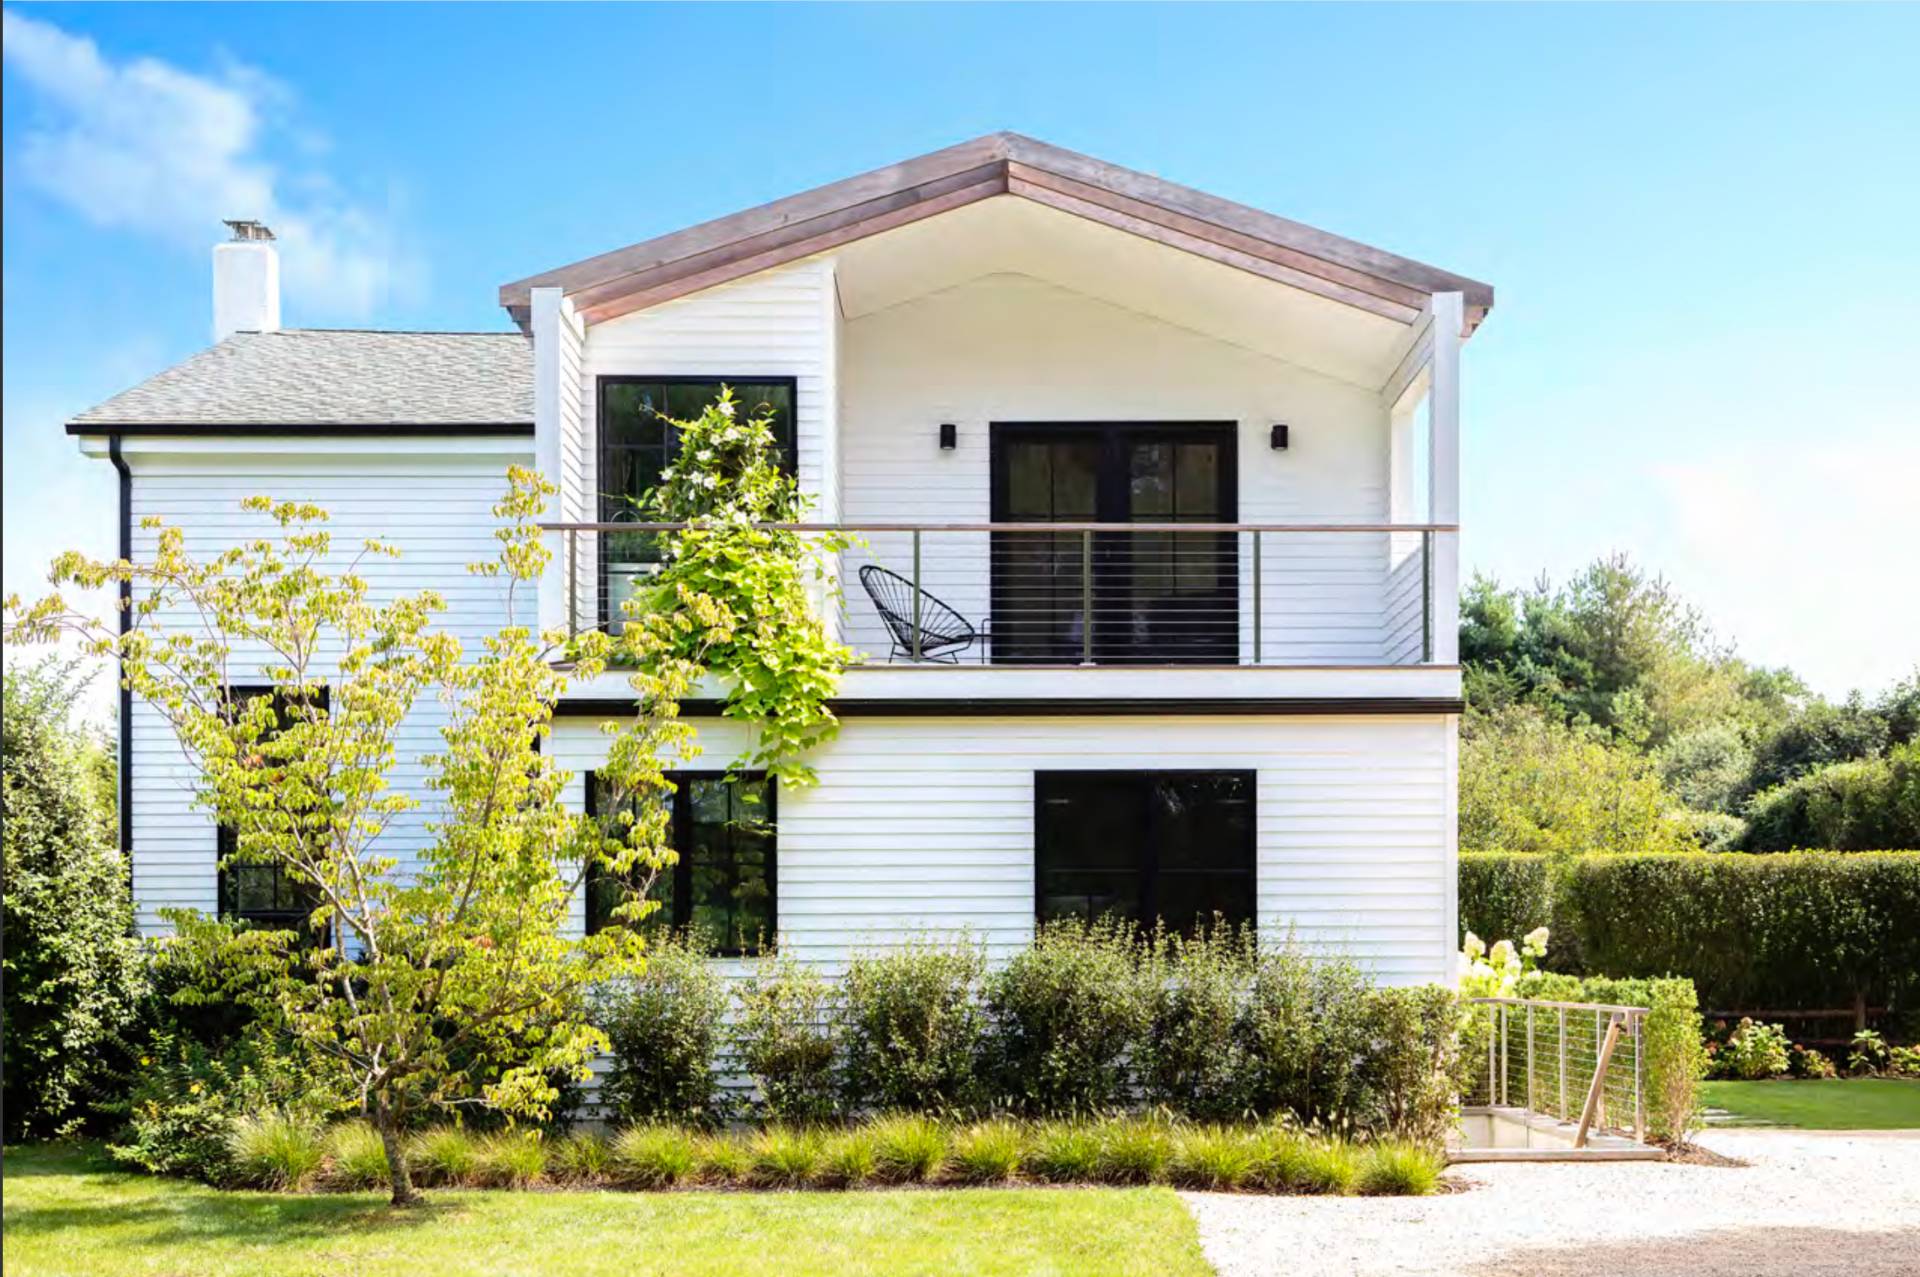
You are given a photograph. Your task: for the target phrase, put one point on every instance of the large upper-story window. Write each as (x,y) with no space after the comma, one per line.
(262,894)
(636,444)
(722,888)
(1169,846)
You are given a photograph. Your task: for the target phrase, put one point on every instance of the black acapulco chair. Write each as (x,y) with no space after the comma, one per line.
(944,633)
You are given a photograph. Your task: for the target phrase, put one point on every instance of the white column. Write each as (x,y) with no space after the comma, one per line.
(547,304)
(1443,472)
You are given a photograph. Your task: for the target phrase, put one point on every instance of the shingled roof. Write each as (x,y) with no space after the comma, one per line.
(314,379)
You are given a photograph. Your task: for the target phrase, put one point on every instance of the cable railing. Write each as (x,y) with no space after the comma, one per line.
(1579,1065)
(1080,594)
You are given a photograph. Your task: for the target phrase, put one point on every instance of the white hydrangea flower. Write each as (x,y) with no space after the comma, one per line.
(1535,942)
(1502,954)
(1475,947)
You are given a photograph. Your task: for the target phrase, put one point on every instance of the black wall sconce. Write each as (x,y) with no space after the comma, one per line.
(949,436)
(1278,438)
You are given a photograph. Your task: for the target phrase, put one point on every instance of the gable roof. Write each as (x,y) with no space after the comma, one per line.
(744,243)
(316,379)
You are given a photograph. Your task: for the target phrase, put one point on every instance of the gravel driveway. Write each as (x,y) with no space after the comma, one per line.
(1809,1203)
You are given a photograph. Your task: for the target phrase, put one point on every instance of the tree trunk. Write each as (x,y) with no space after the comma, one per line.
(388,1124)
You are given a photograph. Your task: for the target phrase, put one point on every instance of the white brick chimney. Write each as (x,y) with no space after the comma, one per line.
(246,282)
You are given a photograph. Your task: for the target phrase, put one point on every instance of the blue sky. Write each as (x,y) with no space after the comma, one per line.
(1700,222)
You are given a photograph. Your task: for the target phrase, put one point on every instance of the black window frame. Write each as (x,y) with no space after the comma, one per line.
(682,869)
(789,454)
(1147,913)
(226,842)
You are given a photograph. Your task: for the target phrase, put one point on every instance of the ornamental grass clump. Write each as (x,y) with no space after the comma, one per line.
(1063,1152)
(908,1148)
(279,1151)
(1281,1155)
(786,1156)
(653,1156)
(510,1159)
(444,1156)
(1222,1158)
(581,1157)
(1399,1168)
(1327,1166)
(1132,1150)
(719,1159)
(849,1158)
(986,1153)
(356,1157)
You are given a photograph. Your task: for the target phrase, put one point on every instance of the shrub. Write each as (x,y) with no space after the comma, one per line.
(912,1025)
(71,971)
(653,1156)
(1804,1061)
(1063,1152)
(1675,1056)
(509,1159)
(1065,1014)
(908,1149)
(849,1158)
(1755,1051)
(786,1039)
(1132,1150)
(1902,1061)
(1193,1059)
(1214,1157)
(580,1157)
(443,1156)
(1846,806)
(987,1153)
(1407,1072)
(1305,1032)
(274,1151)
(663,1026)
(1505,895)
(1804,929)
(786,1156)
(1868,1054)
(1400,1168)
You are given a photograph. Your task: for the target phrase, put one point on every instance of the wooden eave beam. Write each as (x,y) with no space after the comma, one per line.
(811,222)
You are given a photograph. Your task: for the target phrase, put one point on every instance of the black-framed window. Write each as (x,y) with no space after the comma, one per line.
(1168,846)
(723,888)
(637,444)
(265,895)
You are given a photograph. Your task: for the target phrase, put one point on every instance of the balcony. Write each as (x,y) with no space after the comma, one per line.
(1061,595)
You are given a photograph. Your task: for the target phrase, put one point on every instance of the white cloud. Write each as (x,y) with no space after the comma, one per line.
(145,146)
(1807,553)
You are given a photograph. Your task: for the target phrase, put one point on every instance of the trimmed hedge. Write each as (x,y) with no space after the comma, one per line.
(1791,930)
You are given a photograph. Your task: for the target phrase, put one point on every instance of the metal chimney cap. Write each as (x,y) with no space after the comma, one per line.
(248,230)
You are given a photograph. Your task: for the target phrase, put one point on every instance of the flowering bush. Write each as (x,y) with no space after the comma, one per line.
(1903,1061)
(1500,971)
(1804,1061)
(1754,1051)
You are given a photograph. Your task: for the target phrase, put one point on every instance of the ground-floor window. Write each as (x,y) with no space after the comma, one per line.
(265,895)
(722,888)
(1172,846)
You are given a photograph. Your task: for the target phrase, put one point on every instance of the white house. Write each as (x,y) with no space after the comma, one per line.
(1170,484)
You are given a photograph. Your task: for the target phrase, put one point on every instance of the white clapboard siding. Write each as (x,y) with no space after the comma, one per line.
(924,826)
(435,506)
(1013,348)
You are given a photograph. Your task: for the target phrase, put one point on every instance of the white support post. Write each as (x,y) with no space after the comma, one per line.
(547,318)
(1443,472)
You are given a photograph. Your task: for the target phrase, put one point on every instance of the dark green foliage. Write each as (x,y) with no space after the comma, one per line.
(71,967)
(1304,1036)
(664,1026)
(1816,736)
(1194,1058)
(1850,806)
(913,1023)
(787,1038)
(1406,1073)
(1800,930)
(1502,897)
(1065,1014)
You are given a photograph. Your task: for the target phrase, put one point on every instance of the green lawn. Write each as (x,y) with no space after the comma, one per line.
(1839,1104)
(66,1213)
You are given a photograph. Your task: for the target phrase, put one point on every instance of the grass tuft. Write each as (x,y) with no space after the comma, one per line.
(275,1151)
(1221,1158)
(1396,1168)
(1132,1150)
(510,1159)
(356,1159)
(786,1156)
(1063,1152)
(443,1157)
(1328,1166)
(908,1148)
(581,1157)
(653,1156)
(988,1153)
(849,1158)
(720,1159)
